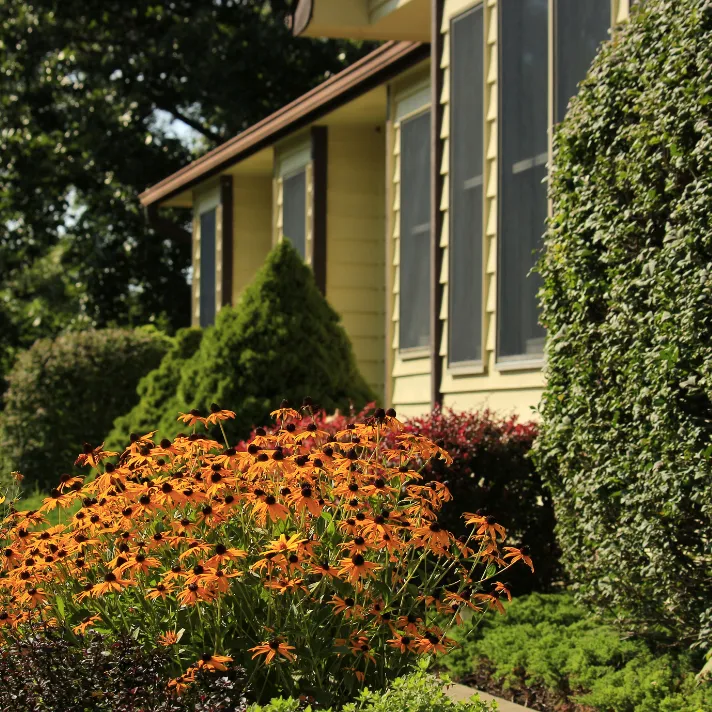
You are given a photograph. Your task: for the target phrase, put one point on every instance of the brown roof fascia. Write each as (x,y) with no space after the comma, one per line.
(379,66)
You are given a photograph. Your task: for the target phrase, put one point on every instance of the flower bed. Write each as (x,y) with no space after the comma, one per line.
(314,561)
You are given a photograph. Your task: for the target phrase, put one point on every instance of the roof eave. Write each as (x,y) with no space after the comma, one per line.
(379,66)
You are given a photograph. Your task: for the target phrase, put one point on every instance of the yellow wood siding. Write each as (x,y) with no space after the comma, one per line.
(515,389)
(355,247)
(411,374)
(252,228)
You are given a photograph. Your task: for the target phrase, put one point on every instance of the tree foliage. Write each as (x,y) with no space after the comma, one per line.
(627,294)
(90,91)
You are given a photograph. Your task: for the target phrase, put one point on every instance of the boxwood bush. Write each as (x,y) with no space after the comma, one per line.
(157,392)
(66,391)
(627,302)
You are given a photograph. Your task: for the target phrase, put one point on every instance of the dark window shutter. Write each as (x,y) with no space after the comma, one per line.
(207,267)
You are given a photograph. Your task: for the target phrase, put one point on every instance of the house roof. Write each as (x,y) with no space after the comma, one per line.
(389,60)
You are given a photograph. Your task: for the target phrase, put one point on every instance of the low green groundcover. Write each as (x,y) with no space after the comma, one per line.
(418,692)
(548,654)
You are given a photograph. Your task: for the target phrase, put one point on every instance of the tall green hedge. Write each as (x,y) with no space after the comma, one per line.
(157,392)
(282,340)
(66,391)
(627,300)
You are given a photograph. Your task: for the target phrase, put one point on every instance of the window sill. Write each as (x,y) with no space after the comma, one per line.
(466,368)
(414,353)
(529,364)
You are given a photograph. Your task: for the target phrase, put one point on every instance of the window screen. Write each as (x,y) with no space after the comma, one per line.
(207,268)
(414,317)
(466,198)
(294,211)
(581,26)
(523,157)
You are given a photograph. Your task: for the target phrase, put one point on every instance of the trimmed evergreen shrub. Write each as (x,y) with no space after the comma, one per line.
(66,391)
(627,302)
(157,393)
(282,341)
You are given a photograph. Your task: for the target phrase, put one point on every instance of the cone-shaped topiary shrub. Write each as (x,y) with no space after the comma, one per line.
(158,392)
(626,439)
(283,340)
(66,391)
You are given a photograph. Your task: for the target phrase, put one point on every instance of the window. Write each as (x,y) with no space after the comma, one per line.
(414,317)
(523,157)
(207,267)
(466,197)
(581,26)
(294,210)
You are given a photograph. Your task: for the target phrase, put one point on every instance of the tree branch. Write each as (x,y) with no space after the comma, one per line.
(213,136)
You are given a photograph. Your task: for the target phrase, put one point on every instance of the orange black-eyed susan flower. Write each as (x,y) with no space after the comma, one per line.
(218,414)
(356,568)
(268,508)
(272,649)
(93,455)
(403,643)
(347,606)
(193,593)
(89,622)
(169,638)
(111,583)
(160,590)
(323,568)
(191,418)
(211,661)
(515,554)
(486,526)
(434,642)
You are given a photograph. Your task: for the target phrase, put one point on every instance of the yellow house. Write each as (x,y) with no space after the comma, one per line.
(414,185)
